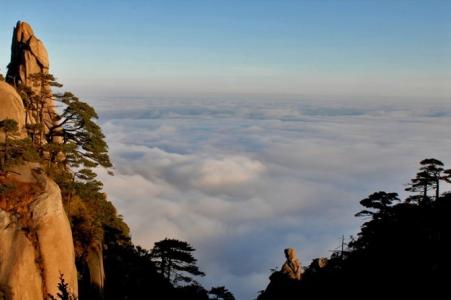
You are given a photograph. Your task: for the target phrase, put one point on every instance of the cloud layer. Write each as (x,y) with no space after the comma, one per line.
(242,179)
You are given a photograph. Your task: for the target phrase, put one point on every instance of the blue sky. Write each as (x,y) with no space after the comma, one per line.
(353,49)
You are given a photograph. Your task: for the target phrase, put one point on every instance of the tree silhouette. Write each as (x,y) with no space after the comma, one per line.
(378,204)
(174,260)
(428,178)
(221,293)
(63,291)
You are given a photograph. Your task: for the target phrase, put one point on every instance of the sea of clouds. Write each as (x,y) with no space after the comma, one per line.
(243,179)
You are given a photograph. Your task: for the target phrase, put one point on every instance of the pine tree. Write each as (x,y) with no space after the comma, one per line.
(174,260)
(63,291)
(221,293)
(377,204)
(80,137)
(428,178)
(38,103)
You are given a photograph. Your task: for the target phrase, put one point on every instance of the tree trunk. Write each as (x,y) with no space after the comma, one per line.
(437,189)
(169,270)
(425,192)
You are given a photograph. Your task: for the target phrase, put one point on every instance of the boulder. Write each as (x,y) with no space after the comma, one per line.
(11,107)
(37,243)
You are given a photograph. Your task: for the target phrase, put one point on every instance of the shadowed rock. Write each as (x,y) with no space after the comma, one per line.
(95,266)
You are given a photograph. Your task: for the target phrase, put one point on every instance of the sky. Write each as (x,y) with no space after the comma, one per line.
(245,127)
(364,49)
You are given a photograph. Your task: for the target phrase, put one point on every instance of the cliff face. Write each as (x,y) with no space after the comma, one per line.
(36,239)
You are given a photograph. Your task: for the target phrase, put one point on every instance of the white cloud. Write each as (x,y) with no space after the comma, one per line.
(228,171)
(243,179)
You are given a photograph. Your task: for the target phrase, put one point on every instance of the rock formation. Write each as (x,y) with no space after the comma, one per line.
(11,107)
(36,243)
(29,57)
(322,262)
(36,237)
(282,283)
(95,266)
(292,266)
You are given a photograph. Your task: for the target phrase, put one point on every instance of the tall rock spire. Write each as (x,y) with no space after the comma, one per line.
(28,56)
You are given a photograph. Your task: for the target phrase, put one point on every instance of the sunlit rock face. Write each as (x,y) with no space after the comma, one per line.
(19,274)
(28,57)
(322,262)
(283,282)
(11,107)
(292,267)
(36,243)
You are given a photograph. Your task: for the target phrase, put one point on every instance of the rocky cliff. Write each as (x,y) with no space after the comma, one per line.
(36,239)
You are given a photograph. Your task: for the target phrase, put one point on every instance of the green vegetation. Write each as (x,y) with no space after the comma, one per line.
(13,149)
(9,128)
